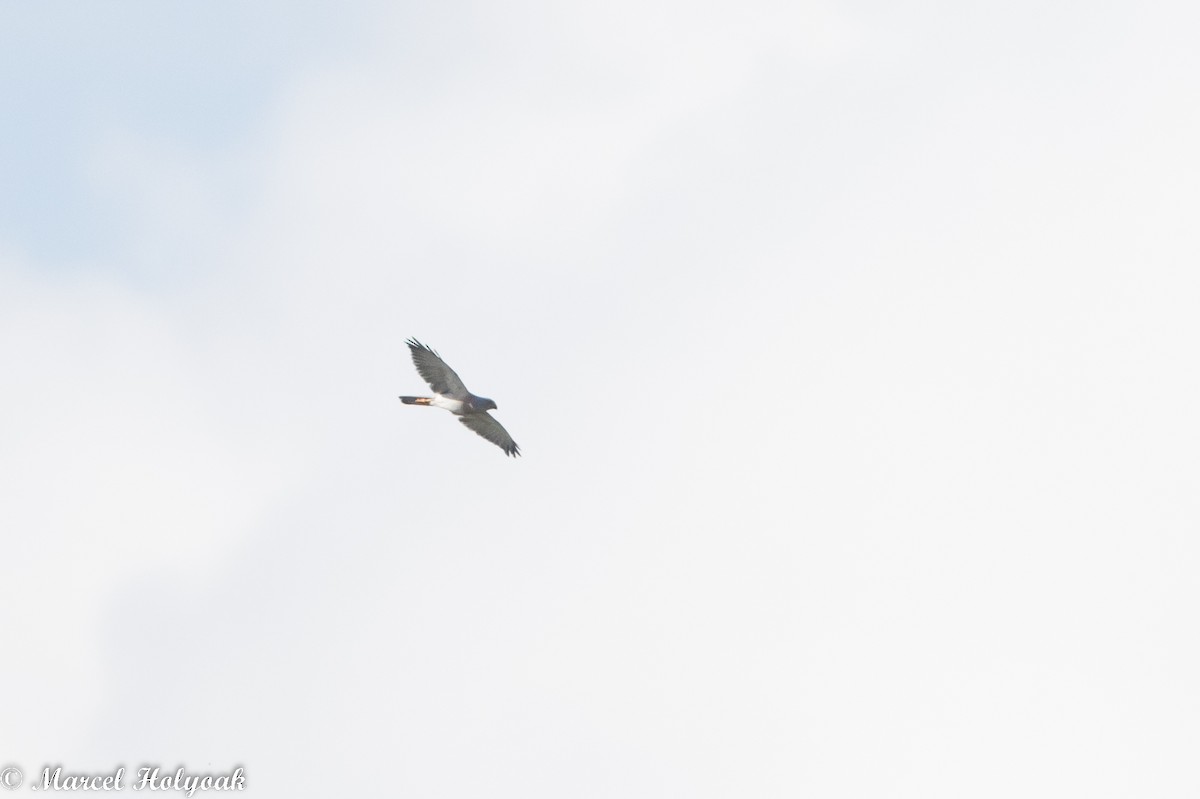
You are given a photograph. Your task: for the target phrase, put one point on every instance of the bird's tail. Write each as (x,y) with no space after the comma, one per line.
(416,400)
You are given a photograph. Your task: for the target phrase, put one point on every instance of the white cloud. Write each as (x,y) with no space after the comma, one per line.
(112,468)
(851,379)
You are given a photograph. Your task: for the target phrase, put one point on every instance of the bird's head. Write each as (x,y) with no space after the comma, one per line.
(487,404)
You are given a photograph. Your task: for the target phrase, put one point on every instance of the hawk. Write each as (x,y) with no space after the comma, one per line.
(450,393)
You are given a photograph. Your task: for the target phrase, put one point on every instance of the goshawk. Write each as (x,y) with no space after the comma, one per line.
(450,393)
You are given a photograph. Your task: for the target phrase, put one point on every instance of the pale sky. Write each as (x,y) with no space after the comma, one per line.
(851,348)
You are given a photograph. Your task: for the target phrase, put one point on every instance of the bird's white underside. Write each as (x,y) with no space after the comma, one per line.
(452,405)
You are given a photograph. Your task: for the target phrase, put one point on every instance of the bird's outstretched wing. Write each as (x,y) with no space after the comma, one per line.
(440,377)
(493,431)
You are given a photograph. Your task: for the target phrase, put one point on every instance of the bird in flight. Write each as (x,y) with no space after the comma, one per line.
(450,393)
